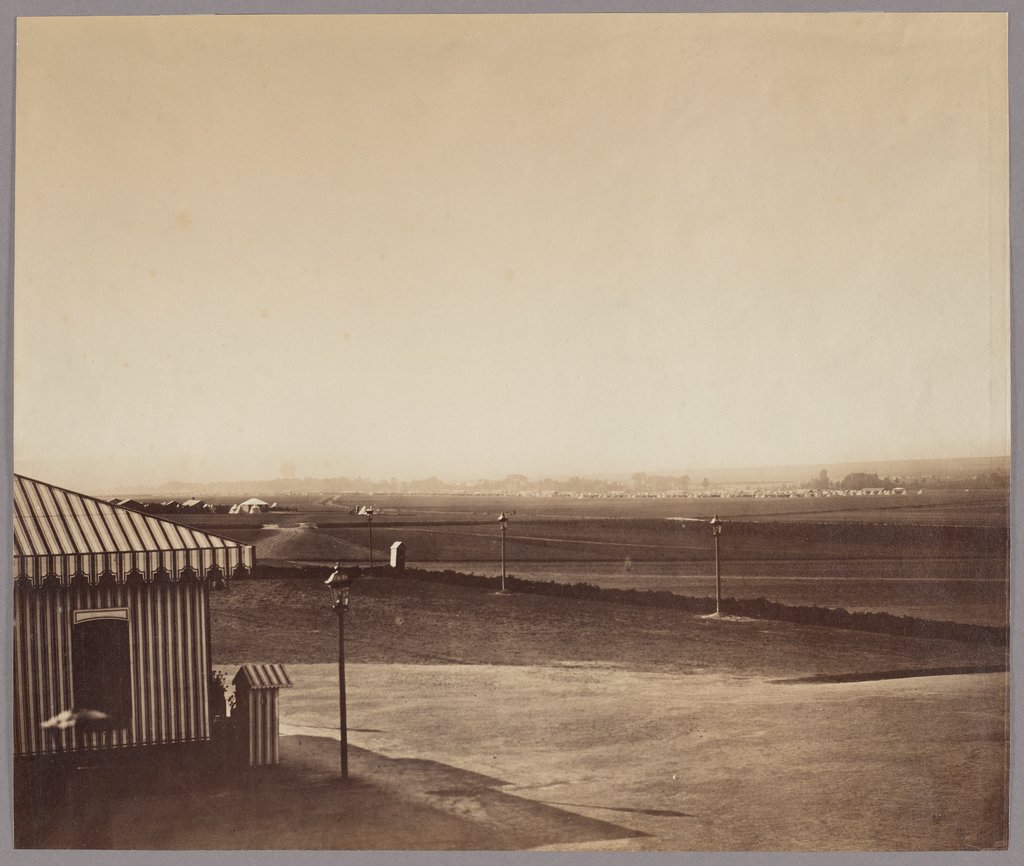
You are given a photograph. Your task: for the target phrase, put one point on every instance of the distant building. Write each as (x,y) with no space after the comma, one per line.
(194,506)
(133,504)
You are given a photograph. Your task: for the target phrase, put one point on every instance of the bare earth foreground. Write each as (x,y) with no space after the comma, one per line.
(487,722)
(702,762)
(585,725)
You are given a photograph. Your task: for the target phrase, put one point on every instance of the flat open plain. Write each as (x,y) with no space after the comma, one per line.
(524,721)
(586,725)
(942,555)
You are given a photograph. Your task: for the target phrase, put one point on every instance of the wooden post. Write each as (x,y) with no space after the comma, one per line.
(718,579)
(342,709)
(370,524)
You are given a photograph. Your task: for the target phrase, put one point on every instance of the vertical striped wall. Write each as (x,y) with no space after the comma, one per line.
(169,665)
(261,714)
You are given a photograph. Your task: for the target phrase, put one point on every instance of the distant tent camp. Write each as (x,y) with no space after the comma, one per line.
(111,623)
(251,506)
(133,504)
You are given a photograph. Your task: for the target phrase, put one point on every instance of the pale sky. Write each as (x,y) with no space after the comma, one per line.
(470,246)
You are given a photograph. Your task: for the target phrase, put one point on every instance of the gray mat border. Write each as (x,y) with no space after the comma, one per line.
(10,10)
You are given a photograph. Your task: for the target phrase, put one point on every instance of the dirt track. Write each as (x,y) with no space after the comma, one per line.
(314,543)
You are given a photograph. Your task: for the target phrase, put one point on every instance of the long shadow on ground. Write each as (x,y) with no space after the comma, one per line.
(896,674)
(499,820)
(301,804)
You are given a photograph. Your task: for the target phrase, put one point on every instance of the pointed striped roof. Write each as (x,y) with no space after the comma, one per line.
(60,532)
(263,676)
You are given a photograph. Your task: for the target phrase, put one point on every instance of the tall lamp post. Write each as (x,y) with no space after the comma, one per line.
(503,525)
(369,523)
(716,529)
(339,584)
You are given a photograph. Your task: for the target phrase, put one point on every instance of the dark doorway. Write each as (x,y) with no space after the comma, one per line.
(101,665)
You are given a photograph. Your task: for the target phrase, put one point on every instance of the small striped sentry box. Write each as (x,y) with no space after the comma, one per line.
(256,708)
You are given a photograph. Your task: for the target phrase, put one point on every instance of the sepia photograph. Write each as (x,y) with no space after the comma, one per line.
(571,432)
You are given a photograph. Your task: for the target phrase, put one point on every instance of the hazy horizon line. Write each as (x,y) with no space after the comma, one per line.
(594,476)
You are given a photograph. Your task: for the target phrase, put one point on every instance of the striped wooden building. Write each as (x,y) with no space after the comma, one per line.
(111,615)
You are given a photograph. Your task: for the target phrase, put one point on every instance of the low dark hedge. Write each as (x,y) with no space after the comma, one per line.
(755,608)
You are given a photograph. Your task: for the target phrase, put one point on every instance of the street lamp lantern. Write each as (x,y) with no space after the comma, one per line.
(503,525)
(716,529)
(338,584)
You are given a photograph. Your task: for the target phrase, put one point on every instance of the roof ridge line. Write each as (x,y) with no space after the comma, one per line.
(17,475)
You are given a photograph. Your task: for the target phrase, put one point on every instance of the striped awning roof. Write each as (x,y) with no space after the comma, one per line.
(263,676)
(62,534)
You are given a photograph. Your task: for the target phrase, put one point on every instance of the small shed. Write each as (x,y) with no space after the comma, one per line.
(256,710)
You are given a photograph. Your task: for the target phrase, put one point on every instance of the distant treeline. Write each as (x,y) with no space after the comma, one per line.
(757,608)
(871,480)
(975,473)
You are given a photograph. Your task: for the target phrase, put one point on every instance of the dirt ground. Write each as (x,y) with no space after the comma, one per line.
(684,733)
(485,722)
(301,804)
(577,757)
(698,762)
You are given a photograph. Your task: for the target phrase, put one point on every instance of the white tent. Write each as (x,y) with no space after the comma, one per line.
(253,506)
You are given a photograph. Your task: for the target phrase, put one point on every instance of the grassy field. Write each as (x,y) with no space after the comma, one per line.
(655,539)
(664,730)
(408,621)
(940,555)
(453,528)
(974,508)
(981,602)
